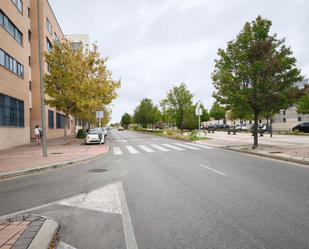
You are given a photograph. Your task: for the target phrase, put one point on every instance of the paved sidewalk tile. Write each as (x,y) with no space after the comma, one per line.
(30,156)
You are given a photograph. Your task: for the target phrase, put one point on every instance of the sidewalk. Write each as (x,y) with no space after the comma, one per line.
(27,231)
(30,156)
(285,147)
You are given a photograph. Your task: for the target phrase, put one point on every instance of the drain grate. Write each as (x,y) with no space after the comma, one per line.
(56,153)
(275,152)
(97,170)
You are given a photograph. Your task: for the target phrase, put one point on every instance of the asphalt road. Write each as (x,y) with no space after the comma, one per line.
(150,192)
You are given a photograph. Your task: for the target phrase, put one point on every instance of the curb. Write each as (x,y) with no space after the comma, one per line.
(285,159)
(45,236)
(48,167)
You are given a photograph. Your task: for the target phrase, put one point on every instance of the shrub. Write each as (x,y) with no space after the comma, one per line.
(81,133)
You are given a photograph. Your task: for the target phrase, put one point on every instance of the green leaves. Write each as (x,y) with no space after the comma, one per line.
(146,113)
(256,72)
(79,83)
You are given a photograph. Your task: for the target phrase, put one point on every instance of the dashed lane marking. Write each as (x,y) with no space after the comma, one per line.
(214,170)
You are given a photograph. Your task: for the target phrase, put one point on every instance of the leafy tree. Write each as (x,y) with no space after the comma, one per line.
(217,112)
(146,113)
(126,120)
(255,71)
(205,115)
(177,102)
(303,103)
(78,83)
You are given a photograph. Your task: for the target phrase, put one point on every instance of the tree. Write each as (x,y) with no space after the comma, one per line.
(303,103)
(205,115)
(256,71)
(78,83)
(126,120)
(146,113)
(177,102)
(217,112)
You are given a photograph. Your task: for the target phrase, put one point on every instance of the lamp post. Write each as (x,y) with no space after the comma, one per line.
(42,92)
(198,112)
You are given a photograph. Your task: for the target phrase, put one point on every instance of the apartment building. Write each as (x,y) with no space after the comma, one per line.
(49,33)
(15,73)
(20,101)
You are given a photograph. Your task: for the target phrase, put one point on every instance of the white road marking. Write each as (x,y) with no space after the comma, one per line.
(62,245)
(159,147)
(126,220)
(104,199)
(121,140)
(117,151)
(214,170)
(201,146)
(131,149)
(145,148)
(173,147)
(187,146)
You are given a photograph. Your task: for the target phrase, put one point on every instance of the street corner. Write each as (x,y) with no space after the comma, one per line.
(27,231)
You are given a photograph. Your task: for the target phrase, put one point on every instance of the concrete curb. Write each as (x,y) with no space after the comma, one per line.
(285,159)
(45,236)
(48,167)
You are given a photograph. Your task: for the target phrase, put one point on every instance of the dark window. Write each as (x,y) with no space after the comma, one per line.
(29,60)
(29,35)
(299,119)
(49,45)
(59,121)
(283,112)
(30,86)
(250,122)
(11,111)
(28,12)
(6,23)
(284,120)
(260,121)
(50,119)
(19,5)
(11,64)
(48,26)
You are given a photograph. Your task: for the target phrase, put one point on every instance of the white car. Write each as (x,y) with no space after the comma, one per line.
(241,127)
(95,136)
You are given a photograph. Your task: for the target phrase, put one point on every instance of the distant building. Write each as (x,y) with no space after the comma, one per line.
(78,40)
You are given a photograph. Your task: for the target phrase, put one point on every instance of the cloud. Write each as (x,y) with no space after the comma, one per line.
(153,45)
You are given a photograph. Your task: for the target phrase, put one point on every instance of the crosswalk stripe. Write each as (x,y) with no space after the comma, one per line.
(131,149)
(201,146)
(159,147)
(117,151)
(187,146)
(173,147)
(145,148)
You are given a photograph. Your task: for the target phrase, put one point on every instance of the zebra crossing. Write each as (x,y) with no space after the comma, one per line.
(151,148)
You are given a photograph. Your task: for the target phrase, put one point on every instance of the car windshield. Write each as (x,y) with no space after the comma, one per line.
(93,132)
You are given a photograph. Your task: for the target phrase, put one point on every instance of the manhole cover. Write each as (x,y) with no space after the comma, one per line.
(97,170)
(56,153)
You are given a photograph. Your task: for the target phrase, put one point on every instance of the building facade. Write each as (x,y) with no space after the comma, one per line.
(15,73)
(20,105)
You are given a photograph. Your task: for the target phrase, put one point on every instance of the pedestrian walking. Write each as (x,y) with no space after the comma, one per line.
(38,134)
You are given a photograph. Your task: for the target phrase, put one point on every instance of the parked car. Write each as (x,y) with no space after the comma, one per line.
(103,129)
(241,127)
(95,136)
(120,128)
(262,128)
(303,127)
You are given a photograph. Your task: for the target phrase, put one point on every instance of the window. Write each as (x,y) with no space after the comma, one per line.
(56,39)
(284,120)
(6,23)
(19,5)
(49,45)
(11,111)
(299,119)
(59,121)
(49,26)
(50,119)
(260,121)
(28,12)
(11,64)
(29,60)
(283,113)
(29,35)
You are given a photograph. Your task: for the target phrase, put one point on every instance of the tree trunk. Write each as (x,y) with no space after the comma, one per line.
(255,131)
(271,127)
(65,128)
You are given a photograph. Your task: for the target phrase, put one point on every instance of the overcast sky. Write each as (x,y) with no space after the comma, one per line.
(155,44)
